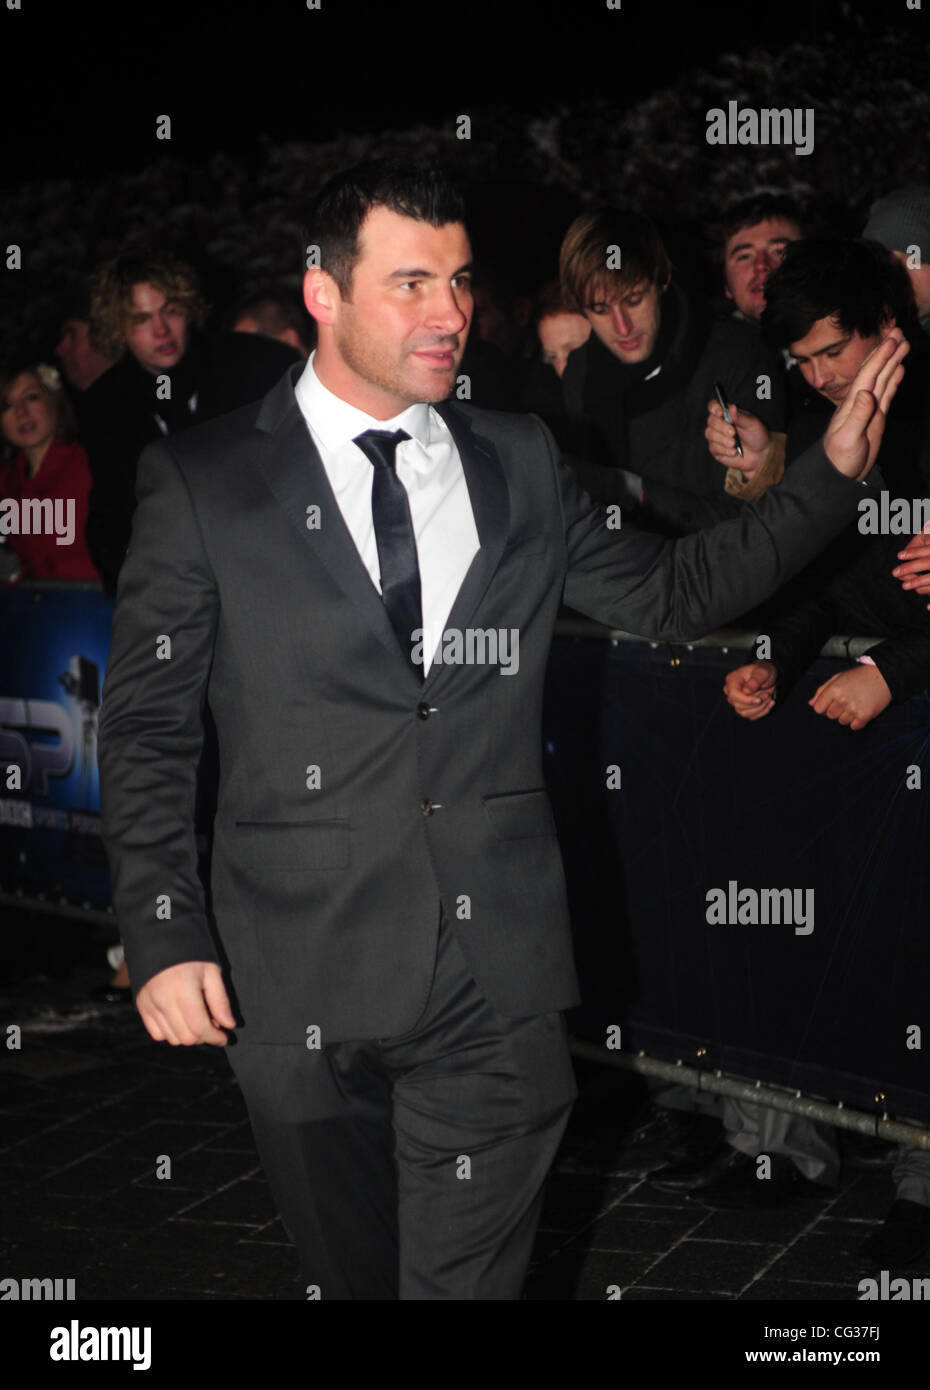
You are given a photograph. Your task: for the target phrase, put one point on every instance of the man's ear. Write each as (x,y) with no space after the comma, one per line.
(887,325)
(728,294)
(321,295)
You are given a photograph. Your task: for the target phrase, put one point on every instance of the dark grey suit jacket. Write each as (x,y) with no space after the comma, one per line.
(326,897)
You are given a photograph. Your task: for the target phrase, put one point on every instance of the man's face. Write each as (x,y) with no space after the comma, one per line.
(627,324)
(246,324)
(80,362)
(750,256)
(830,356)
(560,334)
(156,329)
(400,337)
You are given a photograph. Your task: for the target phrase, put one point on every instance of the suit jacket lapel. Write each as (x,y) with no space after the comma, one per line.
(293,470)
(490,502)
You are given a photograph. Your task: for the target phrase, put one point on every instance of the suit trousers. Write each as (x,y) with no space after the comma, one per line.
(413,1167)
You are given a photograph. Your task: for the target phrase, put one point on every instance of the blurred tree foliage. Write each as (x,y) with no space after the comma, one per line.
(239,220)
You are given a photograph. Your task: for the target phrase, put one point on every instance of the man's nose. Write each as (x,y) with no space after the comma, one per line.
(162,329)
(821,374)
(447,311)
(622,321)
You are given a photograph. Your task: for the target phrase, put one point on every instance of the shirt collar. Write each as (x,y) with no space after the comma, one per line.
(336,422)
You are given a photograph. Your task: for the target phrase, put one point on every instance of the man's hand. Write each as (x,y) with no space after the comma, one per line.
(754,439)
(855,432)
(915,572)
(853,697)
(751,689)
(186,1004)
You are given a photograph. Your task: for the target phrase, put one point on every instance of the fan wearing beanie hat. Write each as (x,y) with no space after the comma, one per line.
(901,222)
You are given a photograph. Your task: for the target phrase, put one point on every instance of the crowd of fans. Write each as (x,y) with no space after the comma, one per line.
(623,359)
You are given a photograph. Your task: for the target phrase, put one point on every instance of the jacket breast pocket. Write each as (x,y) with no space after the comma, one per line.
(520,815)
(294,846)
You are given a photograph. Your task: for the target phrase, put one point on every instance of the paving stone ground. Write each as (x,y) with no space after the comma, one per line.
(90,1106)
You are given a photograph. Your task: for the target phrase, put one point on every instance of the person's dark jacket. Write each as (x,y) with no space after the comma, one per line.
(850,589)
(122,413)
(542,395)
(648,418)
(863,599)
(904,460)
(495,381)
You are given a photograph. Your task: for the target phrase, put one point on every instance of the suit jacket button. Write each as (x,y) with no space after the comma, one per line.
(426,807)
(423,710)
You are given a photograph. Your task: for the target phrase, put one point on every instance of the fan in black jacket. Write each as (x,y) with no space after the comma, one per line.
(120,414)
(147,312)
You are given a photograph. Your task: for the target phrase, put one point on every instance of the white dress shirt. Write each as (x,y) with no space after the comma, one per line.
(428,465)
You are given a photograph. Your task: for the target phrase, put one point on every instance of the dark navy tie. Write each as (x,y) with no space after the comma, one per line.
(397,548)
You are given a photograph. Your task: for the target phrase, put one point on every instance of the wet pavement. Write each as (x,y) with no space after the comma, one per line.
(129,1166)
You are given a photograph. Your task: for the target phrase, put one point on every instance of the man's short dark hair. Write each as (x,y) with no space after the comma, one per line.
(749,212)
(585,266)
(855,282)
(424,192)
(274,310)
(73,303)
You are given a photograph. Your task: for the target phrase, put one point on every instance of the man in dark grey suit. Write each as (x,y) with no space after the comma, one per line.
(363,587)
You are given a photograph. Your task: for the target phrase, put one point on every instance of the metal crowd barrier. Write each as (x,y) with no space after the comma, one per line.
(700,799)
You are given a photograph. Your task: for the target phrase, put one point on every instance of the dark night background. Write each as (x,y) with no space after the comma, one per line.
(83,81)
(569,102)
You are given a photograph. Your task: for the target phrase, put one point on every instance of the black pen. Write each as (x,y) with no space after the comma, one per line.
(727,416)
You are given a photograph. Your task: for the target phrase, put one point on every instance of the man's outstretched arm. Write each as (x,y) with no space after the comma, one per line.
(151,734)
(675,590)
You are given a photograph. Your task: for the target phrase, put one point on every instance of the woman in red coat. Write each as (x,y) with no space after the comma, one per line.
(43,464)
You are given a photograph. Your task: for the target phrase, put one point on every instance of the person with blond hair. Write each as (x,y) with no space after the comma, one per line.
(642,381)
(147,311)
